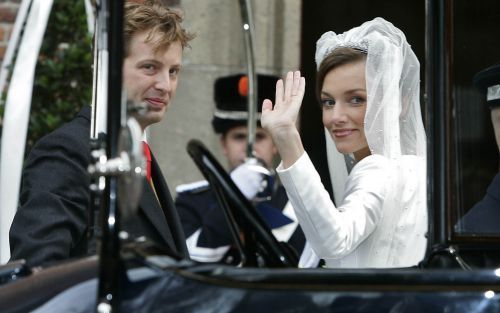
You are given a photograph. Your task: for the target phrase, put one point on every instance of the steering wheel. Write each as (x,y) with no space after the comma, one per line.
(259,247)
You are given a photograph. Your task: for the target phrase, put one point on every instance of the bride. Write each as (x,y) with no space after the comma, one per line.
(368,89)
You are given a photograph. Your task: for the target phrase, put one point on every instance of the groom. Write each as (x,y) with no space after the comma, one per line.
(51,222)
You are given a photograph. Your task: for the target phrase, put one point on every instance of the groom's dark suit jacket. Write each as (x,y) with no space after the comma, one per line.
(51,222)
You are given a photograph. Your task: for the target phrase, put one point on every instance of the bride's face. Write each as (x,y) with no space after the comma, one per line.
(343,99)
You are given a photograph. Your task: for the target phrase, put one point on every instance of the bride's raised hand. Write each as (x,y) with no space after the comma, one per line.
(281,118)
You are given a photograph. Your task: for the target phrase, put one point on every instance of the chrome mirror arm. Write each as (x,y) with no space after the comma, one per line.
(129,166)
(248,35)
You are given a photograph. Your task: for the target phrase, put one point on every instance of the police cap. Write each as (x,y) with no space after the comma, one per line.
(488,82)
(230,96)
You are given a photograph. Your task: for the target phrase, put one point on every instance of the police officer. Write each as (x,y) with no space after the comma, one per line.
(204,223)
(484,215)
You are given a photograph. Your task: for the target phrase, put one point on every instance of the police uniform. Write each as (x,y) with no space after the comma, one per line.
(206,229)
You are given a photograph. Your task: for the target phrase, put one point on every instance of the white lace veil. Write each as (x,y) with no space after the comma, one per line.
(393,121)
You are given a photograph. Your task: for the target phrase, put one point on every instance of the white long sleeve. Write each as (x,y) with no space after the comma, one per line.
(363,231)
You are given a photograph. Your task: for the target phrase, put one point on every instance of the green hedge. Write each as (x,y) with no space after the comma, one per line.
(63,76)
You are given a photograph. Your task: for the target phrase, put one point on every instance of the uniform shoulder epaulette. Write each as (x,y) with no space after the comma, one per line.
(198,186)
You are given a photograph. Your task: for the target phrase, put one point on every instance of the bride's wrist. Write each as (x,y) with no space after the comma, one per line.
(289,145)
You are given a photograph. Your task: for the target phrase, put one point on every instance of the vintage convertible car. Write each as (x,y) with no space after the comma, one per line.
(460,273)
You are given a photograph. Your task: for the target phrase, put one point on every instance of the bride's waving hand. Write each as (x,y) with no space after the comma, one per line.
(280,120)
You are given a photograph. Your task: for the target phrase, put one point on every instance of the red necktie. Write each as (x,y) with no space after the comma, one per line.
(147,155)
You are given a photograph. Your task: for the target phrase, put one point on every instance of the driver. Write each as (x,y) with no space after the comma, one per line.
(51,222)
(484,215)
(204,223)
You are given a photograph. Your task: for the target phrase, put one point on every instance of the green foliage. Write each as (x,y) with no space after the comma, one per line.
(63,76)
(63,81)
